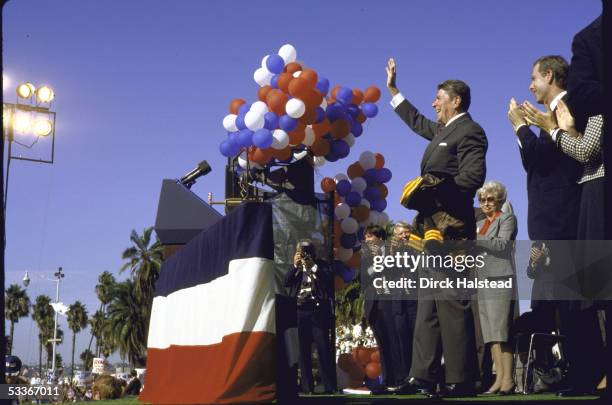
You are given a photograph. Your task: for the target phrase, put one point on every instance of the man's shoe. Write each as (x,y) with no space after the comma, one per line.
(415,386)
(572,393)
(459,390)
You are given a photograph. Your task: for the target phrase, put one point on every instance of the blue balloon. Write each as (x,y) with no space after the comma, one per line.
(353,198)
(262,138)
(344,95)
(233,137)
(287,123)
(353,110)
(320,114)
(271,121)
(348,240)
(347,274)
(245,138)
(335,112)
(243,109)
(343,187)
(379,205)
(330,157)
(228,149)
(370,176)
(357,248)
(275,64)
(240,122)
(369,109)
(384,175)
(371,194)
(361,233)
(356,129)
(323,85)
(274,82)
(340,148)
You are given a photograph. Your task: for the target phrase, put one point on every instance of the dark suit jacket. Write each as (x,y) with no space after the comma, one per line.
(322,286)
(456,152)
(585,80)
(552,190)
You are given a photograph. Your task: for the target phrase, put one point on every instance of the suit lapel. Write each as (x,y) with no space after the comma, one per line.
(446,131)
(494,227)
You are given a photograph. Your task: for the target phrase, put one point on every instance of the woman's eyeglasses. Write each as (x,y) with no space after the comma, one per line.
(489,199)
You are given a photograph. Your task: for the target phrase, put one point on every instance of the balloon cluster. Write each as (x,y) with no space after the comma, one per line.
(362,362)
(296,110)
(360,201)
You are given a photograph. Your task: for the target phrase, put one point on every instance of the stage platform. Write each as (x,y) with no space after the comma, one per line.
(420,399)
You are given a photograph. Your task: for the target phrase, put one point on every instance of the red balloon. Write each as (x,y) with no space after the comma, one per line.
(375,356)
(235,105)
(372,370)
(361,118)
(328,184)
(333,92)
(321,128)
(263,92)
(320,147)
(345,360)
(354,262)
(276,101)
(312,98)
(360,213)
(384,191)
(361,355)
(292,67)
(309,117)
(283,154)
(296,136)
(354,170)
(357,97)
(261,156)
(299,88)
(310,76)
(339,129)
(380,161)
(372,94)
(283,81)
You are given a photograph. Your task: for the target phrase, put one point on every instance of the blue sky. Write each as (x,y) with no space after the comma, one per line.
(142,87)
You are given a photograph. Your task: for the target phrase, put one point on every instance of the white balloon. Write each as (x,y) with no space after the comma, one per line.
(349,139)
(309,137)
(263,62)
(358,184)
(280,139)
(260,107)
(295,108)
(262,77)
(367,160)
(365,203)
(288,53)
(324,103)
(300,155)
(319,161)
(349,225)
(373,219)
(242,162)
(254,120)
(229,123)
(342,211)
(340,176)
(384,218)
(343,254)
(297,73)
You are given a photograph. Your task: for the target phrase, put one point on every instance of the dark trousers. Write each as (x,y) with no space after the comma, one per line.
(444,327)
(314,325)
(393,324)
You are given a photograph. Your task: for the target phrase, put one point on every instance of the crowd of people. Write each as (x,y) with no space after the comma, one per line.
(434,344)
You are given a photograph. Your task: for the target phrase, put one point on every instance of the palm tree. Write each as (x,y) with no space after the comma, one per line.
(128,322)
(49,345)
(144,262)
(77,320)
(42,313)
(16,305)
(87,358)
(104,289)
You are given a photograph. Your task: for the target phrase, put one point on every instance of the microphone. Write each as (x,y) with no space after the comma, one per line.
(202,169)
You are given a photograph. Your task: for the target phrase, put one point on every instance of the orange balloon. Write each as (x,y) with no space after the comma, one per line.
(372,94)
(357,97)
(372,370)
(361,355)
(320,147)
(384,191)
(292,67)
(296,136)
(361,118)
(299,88)
(354,170)
(322,127)
(328,184)
(334,91)
(235,105)
(263,92)
(339,129)
(360,213)
(339,284)
(261,156)
(283,154)
(375,356)
(309,117)
(380,161)
(283,81)
(345,360)
(354,262)
(312,98)
(310,76)
(276,101)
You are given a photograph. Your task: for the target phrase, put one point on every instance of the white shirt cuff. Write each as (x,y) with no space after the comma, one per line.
(397,100)
(555,133)
(520,126)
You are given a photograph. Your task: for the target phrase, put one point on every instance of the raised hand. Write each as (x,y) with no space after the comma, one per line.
(545,120)
(516,115)
(565,119)
(391,76)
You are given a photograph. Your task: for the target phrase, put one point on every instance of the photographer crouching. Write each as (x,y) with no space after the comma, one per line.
(310,281)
